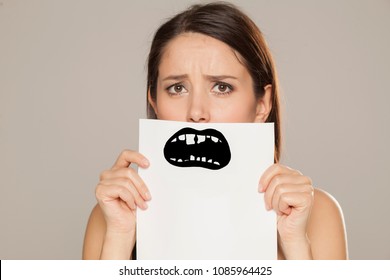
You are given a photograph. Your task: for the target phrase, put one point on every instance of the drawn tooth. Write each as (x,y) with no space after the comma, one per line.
(174,140)
(190,139)
(182,137)
(201,138)
(203,159)
(173,159)
(210,161)
(186,160)
(207,136)
(198,159)
(192,158)
(179,160)
(216,162)
(215,139)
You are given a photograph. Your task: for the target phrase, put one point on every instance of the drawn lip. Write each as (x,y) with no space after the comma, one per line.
(203,148)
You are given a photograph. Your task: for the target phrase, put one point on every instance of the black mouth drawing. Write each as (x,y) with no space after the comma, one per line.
(206,148)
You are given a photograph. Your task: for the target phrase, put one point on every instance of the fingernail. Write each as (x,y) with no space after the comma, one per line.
(145,206)
(148,196)
(145,162)
(268,207)
(260,188)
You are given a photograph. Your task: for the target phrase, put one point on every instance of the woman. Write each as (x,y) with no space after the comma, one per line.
(210,63)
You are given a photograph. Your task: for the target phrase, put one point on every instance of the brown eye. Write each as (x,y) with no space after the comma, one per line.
(177,89)
(222,88)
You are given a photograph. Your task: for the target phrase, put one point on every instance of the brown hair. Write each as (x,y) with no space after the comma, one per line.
(226,23)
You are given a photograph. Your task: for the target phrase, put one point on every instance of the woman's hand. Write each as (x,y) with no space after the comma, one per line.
(290,195)
(120,191)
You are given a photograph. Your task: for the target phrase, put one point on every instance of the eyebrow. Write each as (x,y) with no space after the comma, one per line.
(209,77)
(220,77)
(176,77)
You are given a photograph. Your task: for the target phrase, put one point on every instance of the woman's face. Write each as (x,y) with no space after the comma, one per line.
(201,79)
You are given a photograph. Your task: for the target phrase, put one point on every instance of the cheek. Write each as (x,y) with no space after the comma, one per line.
(168,109)
(235,110)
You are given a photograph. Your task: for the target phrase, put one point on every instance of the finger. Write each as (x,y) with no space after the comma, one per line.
(128,157)
(290,202)
(108,193)
(130,174)
(272,171)
(287,188)
(128,184)
(138,199)
(283,179)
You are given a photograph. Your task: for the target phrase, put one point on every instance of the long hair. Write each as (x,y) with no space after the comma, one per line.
(226,23)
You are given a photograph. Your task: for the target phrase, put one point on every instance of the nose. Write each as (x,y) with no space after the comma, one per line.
(198,108)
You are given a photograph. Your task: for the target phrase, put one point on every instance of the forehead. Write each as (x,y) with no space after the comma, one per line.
(195,51)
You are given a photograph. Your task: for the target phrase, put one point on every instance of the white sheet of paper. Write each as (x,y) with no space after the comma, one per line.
(199,213)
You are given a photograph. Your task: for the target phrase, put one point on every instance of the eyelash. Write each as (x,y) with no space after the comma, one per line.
(229,88)
(168,89)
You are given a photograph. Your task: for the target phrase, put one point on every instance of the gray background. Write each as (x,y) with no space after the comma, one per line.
(72,88)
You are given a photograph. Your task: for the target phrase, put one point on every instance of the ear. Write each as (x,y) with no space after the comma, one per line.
(264,105)
(152,102)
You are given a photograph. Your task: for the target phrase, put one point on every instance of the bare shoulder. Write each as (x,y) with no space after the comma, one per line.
(325,203)
(326,229)
(94,234)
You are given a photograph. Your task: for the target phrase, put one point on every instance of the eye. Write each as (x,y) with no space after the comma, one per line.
(176,89)
(222,88)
